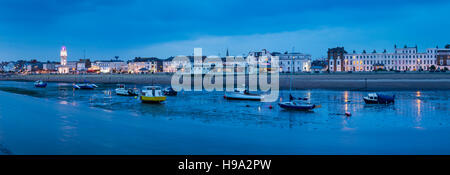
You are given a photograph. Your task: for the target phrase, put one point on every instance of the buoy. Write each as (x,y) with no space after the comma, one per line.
(270,107)
(348,114)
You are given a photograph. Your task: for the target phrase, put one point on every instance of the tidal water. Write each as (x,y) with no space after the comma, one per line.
(60,120)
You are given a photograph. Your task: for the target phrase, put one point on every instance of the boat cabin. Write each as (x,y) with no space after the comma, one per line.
(152,91)
(373,97)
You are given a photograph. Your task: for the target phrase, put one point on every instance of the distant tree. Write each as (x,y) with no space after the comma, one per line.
(432,67)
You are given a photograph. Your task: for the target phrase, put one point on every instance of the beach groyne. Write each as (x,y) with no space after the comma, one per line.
(354,81)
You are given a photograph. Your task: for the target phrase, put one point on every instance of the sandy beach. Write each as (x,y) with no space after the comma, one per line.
(341,81)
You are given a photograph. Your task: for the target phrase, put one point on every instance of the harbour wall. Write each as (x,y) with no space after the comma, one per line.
(347,81)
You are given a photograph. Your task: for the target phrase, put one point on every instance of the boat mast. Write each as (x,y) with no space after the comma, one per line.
(292,73)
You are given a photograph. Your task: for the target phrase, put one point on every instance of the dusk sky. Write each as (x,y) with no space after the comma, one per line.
(36,29)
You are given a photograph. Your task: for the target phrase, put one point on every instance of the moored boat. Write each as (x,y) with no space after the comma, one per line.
(297,105)
(152,94)
(87,86)
(301,104)
(376,98)
(121,90)
(242,95)
(169,91)
(40,84)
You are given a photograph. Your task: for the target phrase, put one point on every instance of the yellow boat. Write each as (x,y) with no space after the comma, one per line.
(152,94)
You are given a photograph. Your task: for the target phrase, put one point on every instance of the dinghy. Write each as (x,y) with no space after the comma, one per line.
(40,84)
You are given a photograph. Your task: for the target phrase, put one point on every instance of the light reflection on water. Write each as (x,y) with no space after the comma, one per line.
(413,109)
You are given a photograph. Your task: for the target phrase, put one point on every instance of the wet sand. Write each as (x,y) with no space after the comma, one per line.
(342,81)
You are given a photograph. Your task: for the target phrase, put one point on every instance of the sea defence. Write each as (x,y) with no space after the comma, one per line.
(337,81)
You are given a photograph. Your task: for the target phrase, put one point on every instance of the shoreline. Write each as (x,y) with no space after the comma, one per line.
(354,81)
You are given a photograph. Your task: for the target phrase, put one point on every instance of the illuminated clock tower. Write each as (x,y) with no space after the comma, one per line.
(63,69)
(63,56)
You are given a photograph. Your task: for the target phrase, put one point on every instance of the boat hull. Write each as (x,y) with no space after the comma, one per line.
(123,92)
(41,85)
(377,102)
(170,93)
(381,99)
(145,99)
(296,107)
(237,96)
(370,101)
(86,87)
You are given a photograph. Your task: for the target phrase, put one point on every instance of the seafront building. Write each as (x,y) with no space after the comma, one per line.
(83,65)
(145,65)
(63,68)
(338,60)
(294,62)
(258,61)
(402,59)
(172,65)
(443,57)
(108,66)
(50,67)
(287,62)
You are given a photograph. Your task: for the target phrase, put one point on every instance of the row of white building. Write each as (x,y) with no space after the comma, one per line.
(402,59)
(339,60)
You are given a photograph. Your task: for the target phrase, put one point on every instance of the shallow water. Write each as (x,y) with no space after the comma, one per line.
(60,120)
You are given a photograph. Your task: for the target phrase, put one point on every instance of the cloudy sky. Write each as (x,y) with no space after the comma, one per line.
(36,29)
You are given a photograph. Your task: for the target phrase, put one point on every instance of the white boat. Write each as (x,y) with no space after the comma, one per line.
(376,98)
(85,86)
(152,94)
(242,94)
(121,90)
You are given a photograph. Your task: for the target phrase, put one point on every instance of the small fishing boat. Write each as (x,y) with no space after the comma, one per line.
(40,84)
(169,91)
(376,98)
(152,94)
(240,94)
(121,90)
(297,105)
(87,86)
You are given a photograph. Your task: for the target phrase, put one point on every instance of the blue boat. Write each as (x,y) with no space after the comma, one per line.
(170,92)
(376,98)
(85,86)
(40,84)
